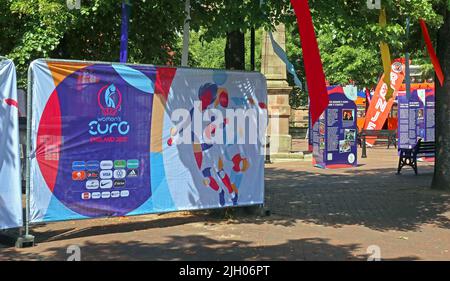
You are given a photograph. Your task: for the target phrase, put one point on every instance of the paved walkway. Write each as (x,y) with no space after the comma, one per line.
(316,215)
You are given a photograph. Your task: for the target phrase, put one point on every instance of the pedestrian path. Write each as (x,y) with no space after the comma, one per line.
(316,215)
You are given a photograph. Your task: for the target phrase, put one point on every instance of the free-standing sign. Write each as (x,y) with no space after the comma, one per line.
(416,116)
(429,115)
(10,178)
(116,140)
(334,135)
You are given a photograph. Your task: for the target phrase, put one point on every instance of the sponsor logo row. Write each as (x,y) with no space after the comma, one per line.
(104,184)
(105,165)
(105,194)
(104,174)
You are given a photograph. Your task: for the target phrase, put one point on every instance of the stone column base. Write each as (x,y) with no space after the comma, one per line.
(280,144)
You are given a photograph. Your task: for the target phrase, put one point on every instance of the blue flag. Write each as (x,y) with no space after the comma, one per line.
(283,56)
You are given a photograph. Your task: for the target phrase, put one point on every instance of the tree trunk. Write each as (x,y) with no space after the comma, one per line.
(441,179)
(235,51)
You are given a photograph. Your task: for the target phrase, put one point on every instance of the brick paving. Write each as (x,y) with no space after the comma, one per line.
(316,215)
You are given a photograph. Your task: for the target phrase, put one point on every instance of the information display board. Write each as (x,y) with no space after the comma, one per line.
(118,140)
(416,116)
(335,134)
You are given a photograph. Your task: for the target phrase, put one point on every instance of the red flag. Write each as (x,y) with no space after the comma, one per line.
(315,77)
(433,57)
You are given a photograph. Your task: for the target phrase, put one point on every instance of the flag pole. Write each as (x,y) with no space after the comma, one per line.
(185,54)
(407,68)
(124,32)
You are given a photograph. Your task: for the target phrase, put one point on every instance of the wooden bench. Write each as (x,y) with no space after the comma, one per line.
(390,135)
(408,156)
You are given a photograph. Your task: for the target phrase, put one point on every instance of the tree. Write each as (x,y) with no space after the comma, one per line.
(211,54)
(348,36)
(31,29)
(205,54)
(352,24)
(35,28)
(233,19)
(441,179)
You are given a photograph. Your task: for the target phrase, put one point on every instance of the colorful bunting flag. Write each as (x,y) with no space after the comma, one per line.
(283,56)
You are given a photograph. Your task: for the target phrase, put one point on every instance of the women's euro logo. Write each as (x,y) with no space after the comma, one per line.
(109,100)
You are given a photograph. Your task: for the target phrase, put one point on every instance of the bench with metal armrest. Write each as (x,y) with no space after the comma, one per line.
(408,156)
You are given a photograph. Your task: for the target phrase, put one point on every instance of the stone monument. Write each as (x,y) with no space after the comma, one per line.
(278,93)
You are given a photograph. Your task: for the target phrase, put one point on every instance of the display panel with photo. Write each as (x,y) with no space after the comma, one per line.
(344,146)
(348,115)
(350,134)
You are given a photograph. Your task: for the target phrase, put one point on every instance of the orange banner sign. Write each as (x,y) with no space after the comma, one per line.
(380,107)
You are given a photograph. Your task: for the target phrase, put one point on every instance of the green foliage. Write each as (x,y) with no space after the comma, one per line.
(217,17)
(348,33)
(32,29)
(35,27)
(210,54)
(298,98)
(205,54)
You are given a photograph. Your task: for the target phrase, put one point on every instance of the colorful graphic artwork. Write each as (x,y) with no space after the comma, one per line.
(117,140)
(10,187)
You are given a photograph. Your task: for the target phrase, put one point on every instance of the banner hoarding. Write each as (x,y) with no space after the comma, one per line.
(118,140)
(10,178)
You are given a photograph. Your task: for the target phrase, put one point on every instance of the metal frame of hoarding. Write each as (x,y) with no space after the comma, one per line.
(27,240)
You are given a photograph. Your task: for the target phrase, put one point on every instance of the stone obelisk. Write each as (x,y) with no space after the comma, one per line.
(278,93)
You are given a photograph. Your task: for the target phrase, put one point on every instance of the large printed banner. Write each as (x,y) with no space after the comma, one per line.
(334,135)
(118,140)
(380,106)
(10,179)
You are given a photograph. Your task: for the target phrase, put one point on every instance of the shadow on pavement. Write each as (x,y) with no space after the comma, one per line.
(377,198)
(199,248)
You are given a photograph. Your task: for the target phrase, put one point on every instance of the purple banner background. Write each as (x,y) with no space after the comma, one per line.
(334,135)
